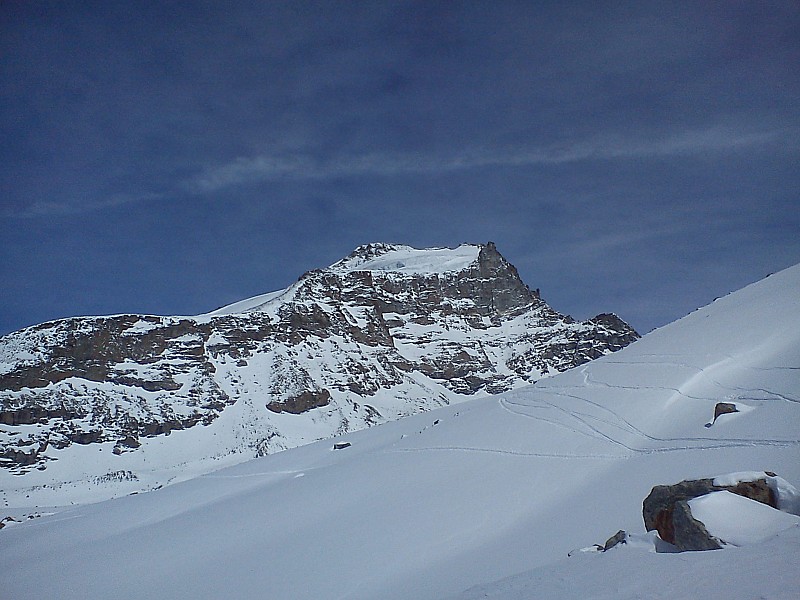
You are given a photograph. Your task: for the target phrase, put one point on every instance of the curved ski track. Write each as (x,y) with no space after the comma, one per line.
(589,425)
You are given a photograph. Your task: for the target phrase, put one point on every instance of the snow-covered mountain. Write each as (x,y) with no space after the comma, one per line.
(131,402)
(480,499)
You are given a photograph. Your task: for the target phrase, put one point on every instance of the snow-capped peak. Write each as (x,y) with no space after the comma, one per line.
(405,259)
(378,256)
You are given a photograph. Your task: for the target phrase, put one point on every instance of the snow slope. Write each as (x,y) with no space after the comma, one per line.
(766,571)
(471,494)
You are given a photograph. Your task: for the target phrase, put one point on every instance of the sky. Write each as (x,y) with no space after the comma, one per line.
(170,158)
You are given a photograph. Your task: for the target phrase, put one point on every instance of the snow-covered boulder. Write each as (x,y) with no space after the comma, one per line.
(668,509)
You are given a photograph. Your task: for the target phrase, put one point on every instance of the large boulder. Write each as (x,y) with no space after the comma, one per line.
(667,511)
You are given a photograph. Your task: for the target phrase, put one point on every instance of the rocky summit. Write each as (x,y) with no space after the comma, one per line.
(386,332)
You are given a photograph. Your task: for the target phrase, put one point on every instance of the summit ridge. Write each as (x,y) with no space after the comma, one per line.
(405,259)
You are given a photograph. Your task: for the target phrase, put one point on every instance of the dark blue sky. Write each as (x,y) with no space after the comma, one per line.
(168,158)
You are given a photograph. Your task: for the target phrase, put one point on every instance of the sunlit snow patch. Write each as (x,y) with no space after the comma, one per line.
(405,259)
(737,520)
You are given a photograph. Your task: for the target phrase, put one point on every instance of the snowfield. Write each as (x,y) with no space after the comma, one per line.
(413,261)
(482,499)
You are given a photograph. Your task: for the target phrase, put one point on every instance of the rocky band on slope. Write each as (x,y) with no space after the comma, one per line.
(386,332)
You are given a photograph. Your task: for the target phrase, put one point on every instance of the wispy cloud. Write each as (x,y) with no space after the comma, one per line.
(300,166)
(51,208)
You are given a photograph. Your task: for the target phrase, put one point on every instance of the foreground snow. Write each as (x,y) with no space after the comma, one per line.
(765,571)
(471,494)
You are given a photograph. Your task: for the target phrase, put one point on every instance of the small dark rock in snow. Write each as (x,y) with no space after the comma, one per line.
(341,445)
(621,537)
(722,408)
(8,520)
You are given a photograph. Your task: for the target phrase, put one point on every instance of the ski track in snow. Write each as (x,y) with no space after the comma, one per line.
(295,472)
(633,429)
(508,452)
(596,456)
(589,382)
(622,424)
(597,434)
(777,395)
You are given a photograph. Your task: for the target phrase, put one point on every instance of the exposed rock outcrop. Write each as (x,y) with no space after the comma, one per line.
(302,402)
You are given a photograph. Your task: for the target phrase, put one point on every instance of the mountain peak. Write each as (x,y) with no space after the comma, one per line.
(388,331)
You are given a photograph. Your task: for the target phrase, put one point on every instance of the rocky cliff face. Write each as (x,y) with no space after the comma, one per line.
(385,332)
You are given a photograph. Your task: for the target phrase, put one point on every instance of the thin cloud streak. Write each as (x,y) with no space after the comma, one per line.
(298,166)
(51,208)
(304,167)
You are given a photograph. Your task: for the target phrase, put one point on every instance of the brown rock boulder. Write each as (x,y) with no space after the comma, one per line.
(688,532)
(666,509)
